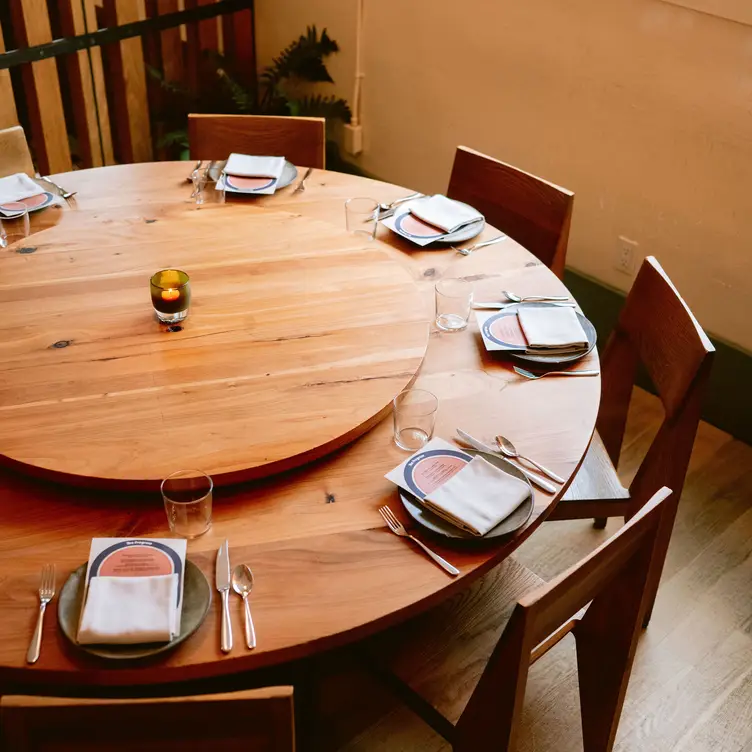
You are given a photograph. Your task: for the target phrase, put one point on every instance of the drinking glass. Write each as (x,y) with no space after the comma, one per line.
(170,295)
(15,228)
(187,496)
(414,418)
(453,300)
(361,216)
(206,190)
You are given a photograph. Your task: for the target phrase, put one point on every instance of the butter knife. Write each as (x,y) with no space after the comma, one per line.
(501,306)
(532,477)
(222,576)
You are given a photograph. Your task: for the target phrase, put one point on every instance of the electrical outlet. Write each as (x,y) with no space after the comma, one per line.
(625,260)
(354,139)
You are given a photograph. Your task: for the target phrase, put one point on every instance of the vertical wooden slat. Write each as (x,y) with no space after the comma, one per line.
(42,87)
(239,45)
(87,85)
(131,116)
(172,44)
(8,114)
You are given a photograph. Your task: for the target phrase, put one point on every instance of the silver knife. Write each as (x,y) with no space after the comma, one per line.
(501,306)
(532,477)
(222,575)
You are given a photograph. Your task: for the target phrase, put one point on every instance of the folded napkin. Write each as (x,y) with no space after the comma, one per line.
(552,329)
(245,166)
(478,497)
(17,187)
(444,213)
(129,610)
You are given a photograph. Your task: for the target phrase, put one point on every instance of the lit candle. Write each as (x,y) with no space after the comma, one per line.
(170,295)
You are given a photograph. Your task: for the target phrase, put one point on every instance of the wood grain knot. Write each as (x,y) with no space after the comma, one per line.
(429,272)
(150,221)
(330,498)
(26,249)
(61,343)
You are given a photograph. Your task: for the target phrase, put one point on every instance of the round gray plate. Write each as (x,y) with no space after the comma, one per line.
(196,601)
(436,524)
(289,173)
(464,233)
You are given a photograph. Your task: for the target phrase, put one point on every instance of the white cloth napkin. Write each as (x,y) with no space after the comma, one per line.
(129,610)
(478,497)
(548,329)
(17,187)
(444,213)
(246,166)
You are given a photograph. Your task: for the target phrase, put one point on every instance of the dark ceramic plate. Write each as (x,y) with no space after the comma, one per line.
(196,601)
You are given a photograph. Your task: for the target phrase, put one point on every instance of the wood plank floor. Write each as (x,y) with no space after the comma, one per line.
(691,686)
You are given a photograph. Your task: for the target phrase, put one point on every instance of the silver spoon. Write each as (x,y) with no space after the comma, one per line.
(387,207)
(507,449)
(518,299)
(242,583)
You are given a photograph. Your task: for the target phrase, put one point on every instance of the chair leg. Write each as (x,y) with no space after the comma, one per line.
(602,688)
(599,523)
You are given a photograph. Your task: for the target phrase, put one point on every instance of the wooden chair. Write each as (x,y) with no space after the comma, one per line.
(532,211)
(463,666)
(252,720)
(657,329)
(14,152)
(301,140)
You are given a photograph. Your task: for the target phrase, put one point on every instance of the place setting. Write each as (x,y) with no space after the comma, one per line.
(20,196)
(136,598)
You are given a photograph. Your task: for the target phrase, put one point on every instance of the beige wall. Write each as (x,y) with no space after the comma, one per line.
(643,108)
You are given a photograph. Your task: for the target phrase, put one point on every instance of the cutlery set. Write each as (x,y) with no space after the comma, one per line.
(534,478)
(241,581)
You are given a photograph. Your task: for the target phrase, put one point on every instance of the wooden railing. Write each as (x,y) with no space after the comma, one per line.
(75,72)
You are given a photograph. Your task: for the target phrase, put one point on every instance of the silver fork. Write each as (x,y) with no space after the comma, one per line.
(301,185)
(468,251)
(46,594)
(531,375)
(399,529)
(65,194)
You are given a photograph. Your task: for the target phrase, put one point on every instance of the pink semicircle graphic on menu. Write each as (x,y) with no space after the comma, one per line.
(248,184)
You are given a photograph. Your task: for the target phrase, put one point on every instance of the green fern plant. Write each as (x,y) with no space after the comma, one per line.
(277,91)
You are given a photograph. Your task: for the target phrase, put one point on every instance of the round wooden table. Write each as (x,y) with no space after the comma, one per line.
(327,571)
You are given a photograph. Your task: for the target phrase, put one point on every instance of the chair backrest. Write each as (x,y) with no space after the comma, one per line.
(300,140)
(253,721)
(612,580)
(14,152)
(532,211)
(657,329)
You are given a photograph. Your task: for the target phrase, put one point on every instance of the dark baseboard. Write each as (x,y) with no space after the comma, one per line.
(728,403)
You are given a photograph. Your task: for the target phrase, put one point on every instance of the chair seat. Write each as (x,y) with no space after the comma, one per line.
(596,480)
(441,654)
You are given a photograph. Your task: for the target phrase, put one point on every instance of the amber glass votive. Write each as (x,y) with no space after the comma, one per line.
(171,295)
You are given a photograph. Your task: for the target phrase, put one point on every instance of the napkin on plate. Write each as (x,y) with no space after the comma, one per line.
(552,329)
(129,610)
(478,497)
(444,213)
(17,187)
(246,166)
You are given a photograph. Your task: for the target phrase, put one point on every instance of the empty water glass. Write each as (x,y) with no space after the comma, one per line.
(361,216)
(206,190)
(453,300)
(414,418)
(14,228)
(187,496)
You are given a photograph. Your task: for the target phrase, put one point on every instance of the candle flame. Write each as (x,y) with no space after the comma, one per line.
(170,294)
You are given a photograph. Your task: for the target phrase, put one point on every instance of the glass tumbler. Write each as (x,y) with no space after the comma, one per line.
(14,228)
(187,496)
(361,216)
(414,418)
(453,300)
(206,190)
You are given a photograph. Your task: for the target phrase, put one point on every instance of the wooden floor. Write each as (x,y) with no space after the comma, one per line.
(691,686)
